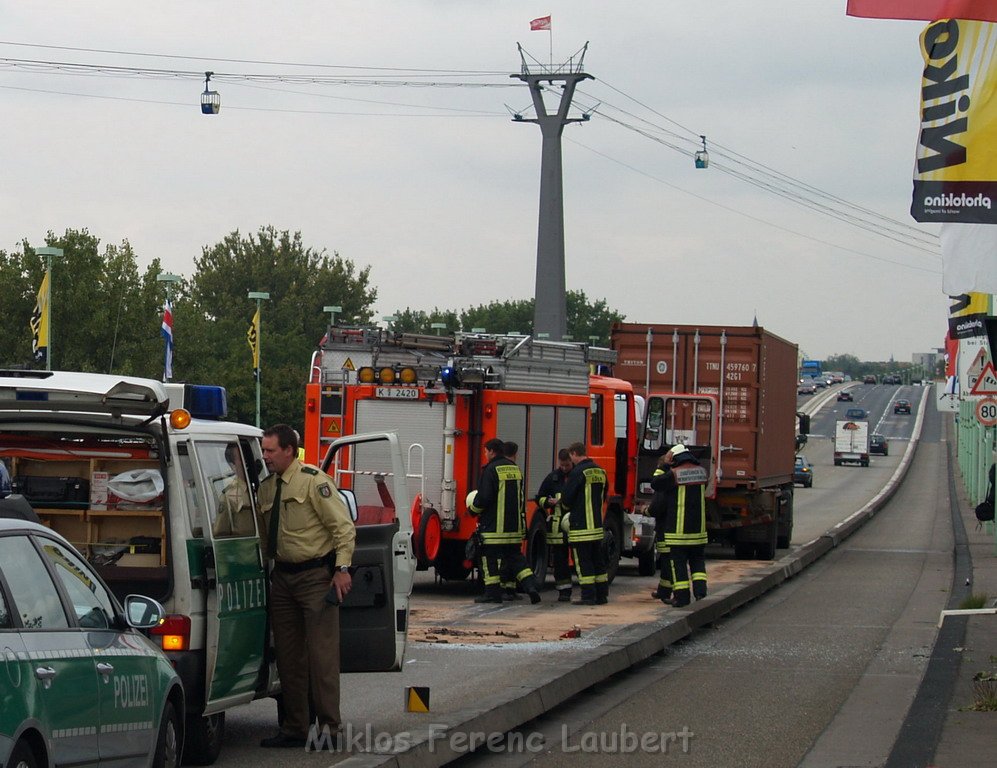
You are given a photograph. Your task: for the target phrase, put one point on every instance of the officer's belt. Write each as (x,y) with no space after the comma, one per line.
(326,561)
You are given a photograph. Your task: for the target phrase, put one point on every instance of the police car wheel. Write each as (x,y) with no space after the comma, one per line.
(23,756)
(168,744)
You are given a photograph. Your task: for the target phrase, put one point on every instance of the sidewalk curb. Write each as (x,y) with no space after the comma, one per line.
(512,708)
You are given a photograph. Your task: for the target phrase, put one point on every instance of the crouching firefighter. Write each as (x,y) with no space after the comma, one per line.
(583,497)
(683,483)
(549,500)
(498,504)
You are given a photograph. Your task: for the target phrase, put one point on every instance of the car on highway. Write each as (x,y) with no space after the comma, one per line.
(879,444)
(870,379)
(901,406)
(820,383)
(856,413)
(82,683)
(803,472)
(845,396)
(806,388)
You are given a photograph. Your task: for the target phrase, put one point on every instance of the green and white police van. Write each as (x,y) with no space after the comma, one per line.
(157,491)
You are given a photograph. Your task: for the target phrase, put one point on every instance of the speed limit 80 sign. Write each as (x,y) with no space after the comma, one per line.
(986,412)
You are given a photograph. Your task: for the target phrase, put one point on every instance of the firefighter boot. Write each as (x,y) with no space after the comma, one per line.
(492,594)
(588,596)
(698,588)
(564,595)
(530,587)
(509,594)
(601,593)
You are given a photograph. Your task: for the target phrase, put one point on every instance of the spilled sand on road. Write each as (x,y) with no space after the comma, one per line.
(443,618)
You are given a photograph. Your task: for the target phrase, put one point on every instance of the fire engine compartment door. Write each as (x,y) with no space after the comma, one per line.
(373,620)
(414,421)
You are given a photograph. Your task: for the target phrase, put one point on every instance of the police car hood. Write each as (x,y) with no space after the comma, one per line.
(63,392)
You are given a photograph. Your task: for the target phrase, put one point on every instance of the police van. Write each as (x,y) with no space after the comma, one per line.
(157,491)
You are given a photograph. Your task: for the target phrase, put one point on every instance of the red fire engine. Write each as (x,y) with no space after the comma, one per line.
(445,396)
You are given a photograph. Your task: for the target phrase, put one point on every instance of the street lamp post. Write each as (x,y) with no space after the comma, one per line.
(333,311)
(169,279)
(49,253)
(438,327)
(259,296)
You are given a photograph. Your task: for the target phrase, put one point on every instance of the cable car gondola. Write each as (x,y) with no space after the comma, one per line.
(211,101)
(702,156)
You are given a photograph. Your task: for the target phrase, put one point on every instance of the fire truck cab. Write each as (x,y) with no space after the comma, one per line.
(445,396)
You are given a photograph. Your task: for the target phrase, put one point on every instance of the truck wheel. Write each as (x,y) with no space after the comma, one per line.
(744,550)
(785,534)
(647,563)
(765,550)
(449,564)
(430,538)
(203,739)
(536,549)
(612,539)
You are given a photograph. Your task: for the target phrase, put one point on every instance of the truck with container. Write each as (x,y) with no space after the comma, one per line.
(851,442)
(135,473)
(729,395)
(446,396)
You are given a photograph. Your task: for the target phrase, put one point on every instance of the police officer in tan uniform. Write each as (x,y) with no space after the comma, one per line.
(311,541)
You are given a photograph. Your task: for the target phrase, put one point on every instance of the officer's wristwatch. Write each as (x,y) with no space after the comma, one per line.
(343,569)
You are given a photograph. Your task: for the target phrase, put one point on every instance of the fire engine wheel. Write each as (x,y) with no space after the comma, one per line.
(450,563)
(611,540)
(647,563)
(430,537)
(536,549)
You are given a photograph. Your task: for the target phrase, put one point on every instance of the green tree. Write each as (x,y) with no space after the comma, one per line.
(586,319)
(210,323)
(105,317)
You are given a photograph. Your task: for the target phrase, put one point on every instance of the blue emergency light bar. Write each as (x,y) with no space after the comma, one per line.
(205,402)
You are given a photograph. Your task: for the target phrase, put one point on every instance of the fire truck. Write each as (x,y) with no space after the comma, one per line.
(445,396)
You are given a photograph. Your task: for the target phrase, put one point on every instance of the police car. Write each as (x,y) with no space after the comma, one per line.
(157,491)
(80,684)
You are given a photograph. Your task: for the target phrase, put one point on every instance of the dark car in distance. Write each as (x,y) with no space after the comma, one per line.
(901,406)
(845,396)
(870,379)
(856,413)
(879,444)
(803,472)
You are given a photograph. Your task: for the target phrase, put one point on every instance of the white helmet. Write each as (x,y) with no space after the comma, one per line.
(470,501)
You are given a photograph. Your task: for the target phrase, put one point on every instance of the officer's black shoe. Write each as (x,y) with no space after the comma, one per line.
(564,596)
(283,741)
(534,597)
(488,598)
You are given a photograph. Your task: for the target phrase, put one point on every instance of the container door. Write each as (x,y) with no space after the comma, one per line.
(236,616)
(374,619)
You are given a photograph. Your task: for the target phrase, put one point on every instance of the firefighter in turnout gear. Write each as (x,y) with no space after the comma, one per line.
(498,503)
(683,483)
(511,451)
(549,500)
(663,592)
(583,498)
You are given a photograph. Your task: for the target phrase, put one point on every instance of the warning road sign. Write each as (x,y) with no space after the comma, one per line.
(986,412)
(986,384)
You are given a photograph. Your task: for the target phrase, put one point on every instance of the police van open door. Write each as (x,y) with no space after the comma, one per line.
(232,575)
(369,470)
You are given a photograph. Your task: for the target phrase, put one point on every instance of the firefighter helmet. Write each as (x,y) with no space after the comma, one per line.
(470,502)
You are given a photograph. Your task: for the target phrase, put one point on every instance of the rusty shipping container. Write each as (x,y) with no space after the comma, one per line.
(757,391)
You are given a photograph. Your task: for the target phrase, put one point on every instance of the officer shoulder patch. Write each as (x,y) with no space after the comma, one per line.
(309,470)
(325,490)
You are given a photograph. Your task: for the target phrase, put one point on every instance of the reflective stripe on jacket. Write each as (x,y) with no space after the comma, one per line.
(499,503)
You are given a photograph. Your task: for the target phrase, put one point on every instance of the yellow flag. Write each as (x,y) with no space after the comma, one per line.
(253,337)
(39,322)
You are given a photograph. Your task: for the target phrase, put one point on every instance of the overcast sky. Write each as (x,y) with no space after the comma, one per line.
(437,189)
